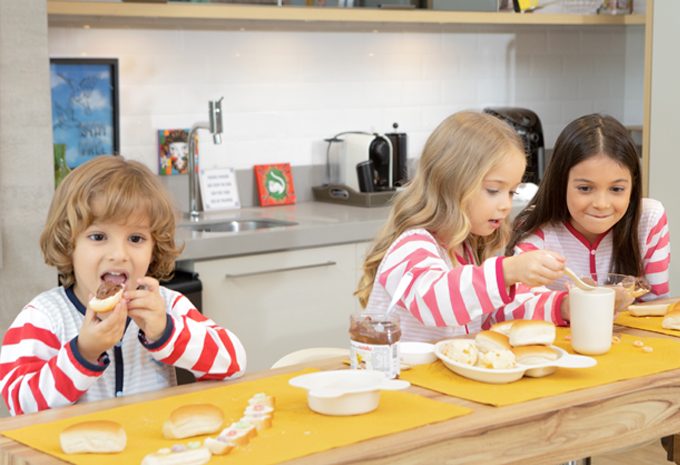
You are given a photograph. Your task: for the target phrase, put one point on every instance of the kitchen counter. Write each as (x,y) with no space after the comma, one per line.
(318,224)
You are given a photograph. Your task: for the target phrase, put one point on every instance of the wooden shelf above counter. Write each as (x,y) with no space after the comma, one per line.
(205,15)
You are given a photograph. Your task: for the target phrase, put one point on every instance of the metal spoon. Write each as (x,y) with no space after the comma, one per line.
(578,281)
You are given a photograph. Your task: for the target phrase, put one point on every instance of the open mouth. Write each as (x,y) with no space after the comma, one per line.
(115,277)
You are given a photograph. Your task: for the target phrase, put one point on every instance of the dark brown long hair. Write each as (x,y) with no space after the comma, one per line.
(583,138)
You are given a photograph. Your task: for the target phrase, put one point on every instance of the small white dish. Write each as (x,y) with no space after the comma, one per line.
(508,375)
(416,353)
(345,392)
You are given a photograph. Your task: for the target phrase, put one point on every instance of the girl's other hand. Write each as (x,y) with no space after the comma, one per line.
(622,299)
(147,308)
(97,335)
(535,268)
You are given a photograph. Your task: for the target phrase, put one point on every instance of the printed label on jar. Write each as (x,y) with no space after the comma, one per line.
(380,357)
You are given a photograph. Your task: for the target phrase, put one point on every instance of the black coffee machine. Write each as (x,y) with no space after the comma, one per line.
(379,156)
(528,126)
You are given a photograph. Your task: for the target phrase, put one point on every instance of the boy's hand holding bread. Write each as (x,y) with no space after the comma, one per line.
(104,323)
(147,308)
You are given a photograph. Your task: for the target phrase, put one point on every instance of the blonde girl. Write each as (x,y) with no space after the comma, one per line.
(436,258)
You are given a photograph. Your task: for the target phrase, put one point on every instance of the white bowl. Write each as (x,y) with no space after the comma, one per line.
(416,353)
(502,376)
(345,392)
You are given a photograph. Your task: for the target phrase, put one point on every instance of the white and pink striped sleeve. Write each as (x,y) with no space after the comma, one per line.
(534,241)
(656,249)
(534,304)
(435,294)
(196,343)
(37,370)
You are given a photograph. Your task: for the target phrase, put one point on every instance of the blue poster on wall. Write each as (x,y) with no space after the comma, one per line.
(85,107)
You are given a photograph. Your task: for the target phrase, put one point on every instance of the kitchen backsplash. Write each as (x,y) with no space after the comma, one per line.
(285,90)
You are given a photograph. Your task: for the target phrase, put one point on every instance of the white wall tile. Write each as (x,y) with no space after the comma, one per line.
(285,90)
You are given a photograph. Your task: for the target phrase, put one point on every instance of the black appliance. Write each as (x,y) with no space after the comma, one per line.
(189,284)
(528,126)
(399,155)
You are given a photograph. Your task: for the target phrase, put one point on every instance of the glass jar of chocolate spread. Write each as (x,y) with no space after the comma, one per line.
(374,342)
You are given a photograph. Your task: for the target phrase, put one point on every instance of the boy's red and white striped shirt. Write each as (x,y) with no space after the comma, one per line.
(40,366)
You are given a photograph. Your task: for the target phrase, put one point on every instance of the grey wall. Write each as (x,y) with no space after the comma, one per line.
(26,173)
(664,154)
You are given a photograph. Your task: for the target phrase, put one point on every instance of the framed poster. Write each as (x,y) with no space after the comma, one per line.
(274,184)
(85,107)
(173,151)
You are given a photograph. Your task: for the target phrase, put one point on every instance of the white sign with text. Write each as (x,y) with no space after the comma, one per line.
(218,189)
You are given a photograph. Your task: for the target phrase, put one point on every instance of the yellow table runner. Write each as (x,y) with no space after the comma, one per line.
(648,323)
(623,361)
(296,430)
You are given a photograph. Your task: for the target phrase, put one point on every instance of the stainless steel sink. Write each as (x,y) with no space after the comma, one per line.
(240,225)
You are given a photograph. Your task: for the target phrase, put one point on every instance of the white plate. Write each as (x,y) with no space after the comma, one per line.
(502,376)
(345,392)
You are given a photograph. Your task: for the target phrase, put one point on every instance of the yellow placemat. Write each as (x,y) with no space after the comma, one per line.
(623,361)
(648,323)
(296,430)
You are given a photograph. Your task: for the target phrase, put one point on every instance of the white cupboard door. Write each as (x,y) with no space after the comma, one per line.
(280,302)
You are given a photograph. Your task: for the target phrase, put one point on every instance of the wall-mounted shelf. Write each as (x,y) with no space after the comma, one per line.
(202,15)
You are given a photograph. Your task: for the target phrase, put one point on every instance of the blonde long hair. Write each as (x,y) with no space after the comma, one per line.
(121,188)
(455,159)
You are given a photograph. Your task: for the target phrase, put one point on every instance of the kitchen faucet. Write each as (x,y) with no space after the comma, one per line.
(215,128)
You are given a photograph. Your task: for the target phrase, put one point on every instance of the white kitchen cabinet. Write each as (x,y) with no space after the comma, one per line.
(280,302)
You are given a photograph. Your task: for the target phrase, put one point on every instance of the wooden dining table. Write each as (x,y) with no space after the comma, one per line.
(548,430)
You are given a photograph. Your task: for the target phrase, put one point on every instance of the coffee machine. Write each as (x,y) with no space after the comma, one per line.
(528,126)
(367,162)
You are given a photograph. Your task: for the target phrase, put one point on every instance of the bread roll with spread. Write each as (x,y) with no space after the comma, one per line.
(672,319)
(193,420)
(491,340)
(497,359)
(107,297)
(93,437)
(531,332)
(502,327)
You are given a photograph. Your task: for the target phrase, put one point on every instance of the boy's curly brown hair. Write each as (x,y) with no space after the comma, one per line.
(121,189)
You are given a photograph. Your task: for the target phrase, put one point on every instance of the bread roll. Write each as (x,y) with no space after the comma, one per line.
(503,327)
(97,437)
(108,296)
(193,420)
(650,309)
(491,340)
(672,319)
(530,332)
(534,355)
(185,456)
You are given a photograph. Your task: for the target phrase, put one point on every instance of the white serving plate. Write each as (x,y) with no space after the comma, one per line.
(345,392)
(502,376)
